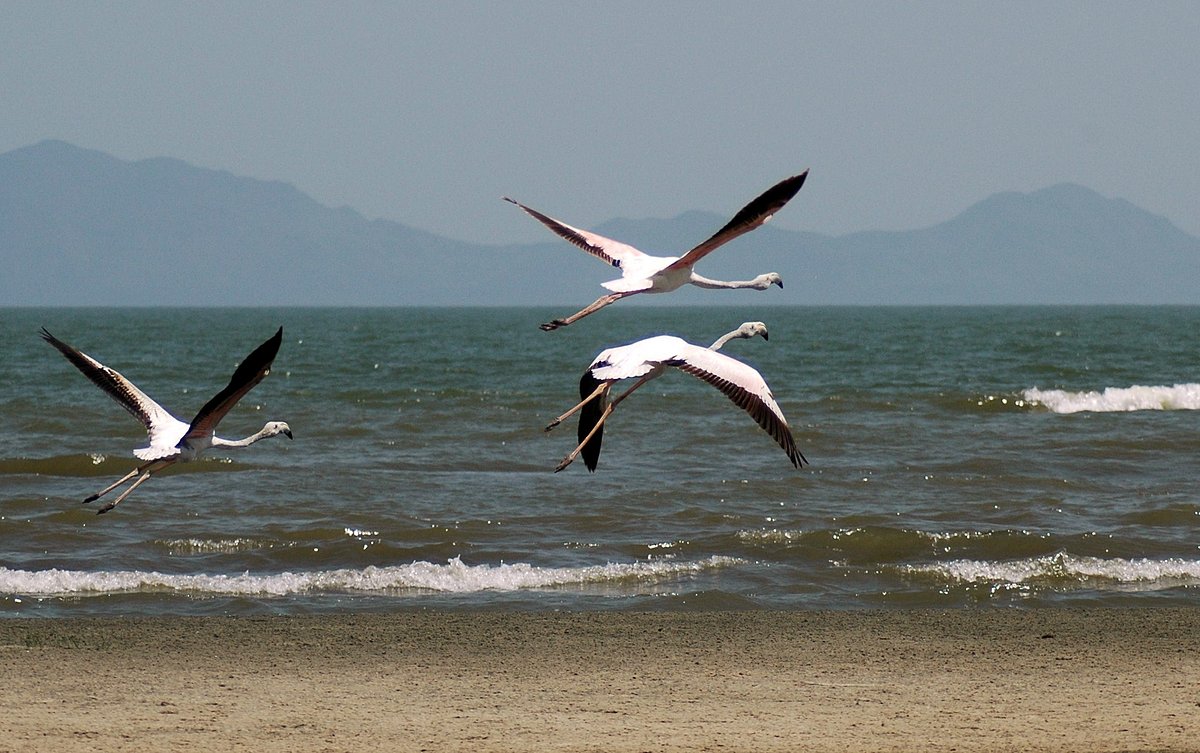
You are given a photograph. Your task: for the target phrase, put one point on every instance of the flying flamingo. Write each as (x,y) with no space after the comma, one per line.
(643,273)
(171,440)
(648,359)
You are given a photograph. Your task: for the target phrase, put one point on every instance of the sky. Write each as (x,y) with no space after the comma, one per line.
(426,113)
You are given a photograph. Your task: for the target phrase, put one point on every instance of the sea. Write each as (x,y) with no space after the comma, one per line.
(959,457)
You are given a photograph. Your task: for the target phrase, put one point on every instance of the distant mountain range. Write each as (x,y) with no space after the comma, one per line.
(79,227)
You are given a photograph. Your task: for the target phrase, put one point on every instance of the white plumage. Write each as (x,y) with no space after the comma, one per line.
(643,273)
(648,359)
(171,440)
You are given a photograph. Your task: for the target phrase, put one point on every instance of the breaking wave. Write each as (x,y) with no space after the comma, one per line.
(452,577)
(1118,399)
(1067,569)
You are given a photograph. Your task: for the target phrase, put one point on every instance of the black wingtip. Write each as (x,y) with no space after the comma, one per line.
(260,358)
(591,452)
(784,190)
(269,348)
(589,416)
(60,346)
(797,458)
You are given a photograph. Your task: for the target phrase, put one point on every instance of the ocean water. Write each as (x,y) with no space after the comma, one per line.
(959,457)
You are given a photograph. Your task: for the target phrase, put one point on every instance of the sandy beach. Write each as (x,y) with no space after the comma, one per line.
(1041,680)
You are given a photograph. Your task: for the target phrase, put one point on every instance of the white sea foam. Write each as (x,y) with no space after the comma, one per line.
(209,546)
(1118,399)
(452,577)
(1143,573)
(771,536)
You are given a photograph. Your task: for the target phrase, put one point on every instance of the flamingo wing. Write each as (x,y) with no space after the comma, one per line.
(631,361)
(163,428)
(751,216)
(636,359)
(745,387)
(250,372)
(605,249)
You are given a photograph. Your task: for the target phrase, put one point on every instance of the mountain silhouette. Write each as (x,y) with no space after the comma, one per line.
(80,227)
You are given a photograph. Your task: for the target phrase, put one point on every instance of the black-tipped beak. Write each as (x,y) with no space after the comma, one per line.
(779,283)
(765,335)
(287,433)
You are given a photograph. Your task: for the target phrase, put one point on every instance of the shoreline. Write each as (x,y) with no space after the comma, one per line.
(987,680)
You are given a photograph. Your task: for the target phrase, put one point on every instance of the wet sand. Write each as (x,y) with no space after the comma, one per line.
(991,680)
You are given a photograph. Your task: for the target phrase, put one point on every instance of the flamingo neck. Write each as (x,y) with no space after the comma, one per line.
(758,283)
(262,434)
(734,335)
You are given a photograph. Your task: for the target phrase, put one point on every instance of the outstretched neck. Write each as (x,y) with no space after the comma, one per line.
(762,282)
(746,331)
(720,343)
(262,434)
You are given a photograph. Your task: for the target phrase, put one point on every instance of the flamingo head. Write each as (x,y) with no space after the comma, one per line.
(277,427)
(772,278)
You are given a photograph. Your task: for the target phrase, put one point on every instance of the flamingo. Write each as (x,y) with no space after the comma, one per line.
(643,273)
(171,440)
(648,359)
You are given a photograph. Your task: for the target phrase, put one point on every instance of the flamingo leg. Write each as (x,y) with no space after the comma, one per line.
(604,387)
(114,485)
(570,458)
(608,409)
(596,305)
(144,477)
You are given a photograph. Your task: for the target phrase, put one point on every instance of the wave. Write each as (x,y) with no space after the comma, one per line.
(452,577)
(210,546)
(1118,399)
(1067,569)
(884,544)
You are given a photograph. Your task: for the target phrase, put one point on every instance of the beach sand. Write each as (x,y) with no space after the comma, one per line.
(986,680)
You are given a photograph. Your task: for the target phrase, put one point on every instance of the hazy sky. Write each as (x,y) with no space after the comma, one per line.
(428,112)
